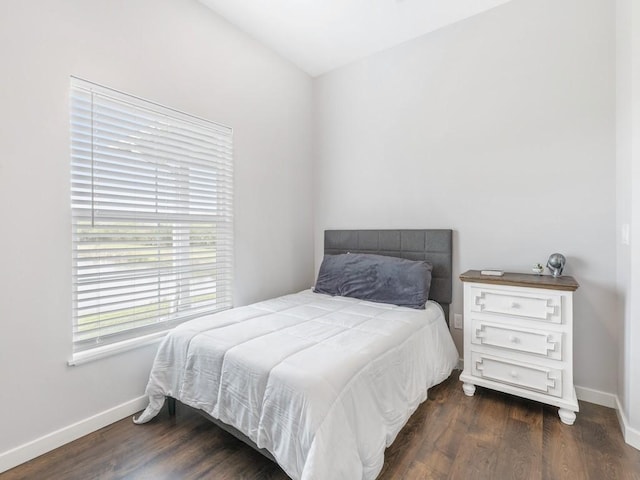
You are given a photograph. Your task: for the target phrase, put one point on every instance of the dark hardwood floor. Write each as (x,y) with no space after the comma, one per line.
(488,436)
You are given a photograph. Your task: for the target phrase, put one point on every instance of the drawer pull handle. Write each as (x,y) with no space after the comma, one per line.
(514,374)
(514,339)
(515,305)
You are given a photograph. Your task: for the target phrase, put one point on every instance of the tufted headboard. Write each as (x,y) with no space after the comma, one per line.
(434,246)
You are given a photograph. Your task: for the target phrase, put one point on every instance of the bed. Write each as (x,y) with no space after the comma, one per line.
(320,383)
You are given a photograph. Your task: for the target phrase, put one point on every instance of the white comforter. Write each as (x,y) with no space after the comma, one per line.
(324,383)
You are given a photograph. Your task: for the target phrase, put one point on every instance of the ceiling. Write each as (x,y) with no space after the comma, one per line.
(320,35)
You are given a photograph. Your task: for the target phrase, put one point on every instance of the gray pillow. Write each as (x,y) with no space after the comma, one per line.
(376,278)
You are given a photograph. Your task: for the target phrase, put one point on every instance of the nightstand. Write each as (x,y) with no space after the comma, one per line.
(518,337)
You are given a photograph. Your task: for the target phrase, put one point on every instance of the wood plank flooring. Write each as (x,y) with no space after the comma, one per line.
(451,436)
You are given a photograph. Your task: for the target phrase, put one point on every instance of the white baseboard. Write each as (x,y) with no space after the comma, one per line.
(35,448)
(631,435)
(596,396)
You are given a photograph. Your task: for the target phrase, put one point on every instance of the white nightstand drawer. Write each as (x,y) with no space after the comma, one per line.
(526,340)
(536,306)
(531,377)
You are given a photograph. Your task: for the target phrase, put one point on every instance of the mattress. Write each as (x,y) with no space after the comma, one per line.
(323,383)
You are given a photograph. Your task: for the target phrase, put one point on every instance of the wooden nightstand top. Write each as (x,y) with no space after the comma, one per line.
(564,282)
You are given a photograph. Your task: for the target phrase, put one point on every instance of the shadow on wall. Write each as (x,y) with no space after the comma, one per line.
(596,328)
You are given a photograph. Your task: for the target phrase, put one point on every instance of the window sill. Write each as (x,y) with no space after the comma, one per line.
(98,353)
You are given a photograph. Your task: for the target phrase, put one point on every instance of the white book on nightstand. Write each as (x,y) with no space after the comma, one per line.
(494,272)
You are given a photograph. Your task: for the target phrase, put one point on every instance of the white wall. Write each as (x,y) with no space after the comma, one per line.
(500,127)
(632,371)
(628,208)
(175,52)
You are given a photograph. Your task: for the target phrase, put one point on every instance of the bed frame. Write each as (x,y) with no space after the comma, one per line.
(434,246)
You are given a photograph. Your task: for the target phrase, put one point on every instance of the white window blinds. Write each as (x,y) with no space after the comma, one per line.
(151,197)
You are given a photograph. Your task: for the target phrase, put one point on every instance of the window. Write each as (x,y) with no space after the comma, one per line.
(151,200)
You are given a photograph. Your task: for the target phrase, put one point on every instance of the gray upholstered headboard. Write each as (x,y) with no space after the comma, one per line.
(434,246)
